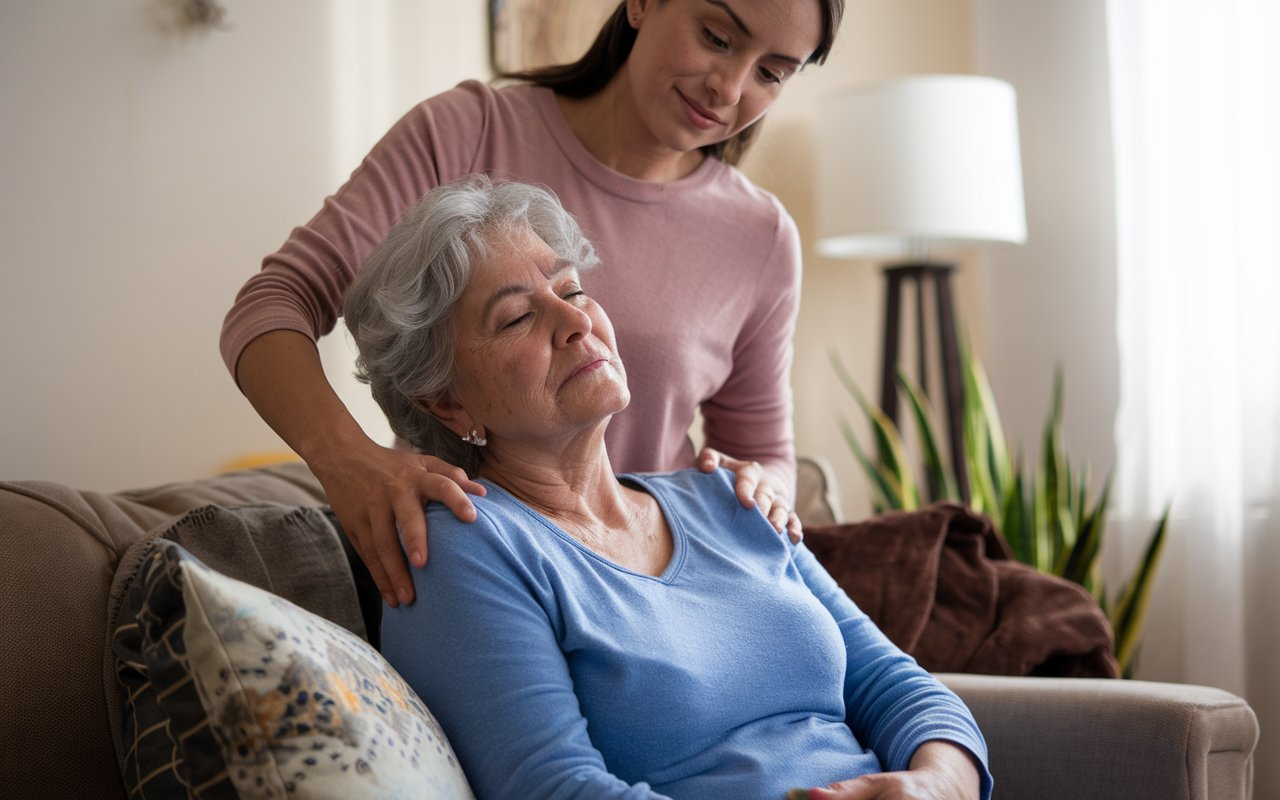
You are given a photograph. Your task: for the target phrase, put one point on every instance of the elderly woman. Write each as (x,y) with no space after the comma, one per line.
(596,635)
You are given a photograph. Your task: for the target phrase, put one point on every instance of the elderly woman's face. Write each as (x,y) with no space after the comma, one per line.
(535,357)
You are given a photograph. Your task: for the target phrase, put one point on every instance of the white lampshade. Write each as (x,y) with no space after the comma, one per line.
(919,163)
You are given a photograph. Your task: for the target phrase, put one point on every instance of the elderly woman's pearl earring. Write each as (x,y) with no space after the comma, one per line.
(475,438)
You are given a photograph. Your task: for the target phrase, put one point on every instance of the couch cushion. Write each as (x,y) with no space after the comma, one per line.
(259,697)
(59,548)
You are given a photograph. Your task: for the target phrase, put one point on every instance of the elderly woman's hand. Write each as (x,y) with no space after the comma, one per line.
(939,771)
(756,488)
(377,491)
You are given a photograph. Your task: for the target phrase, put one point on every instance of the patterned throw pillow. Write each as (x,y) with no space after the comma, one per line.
(260,698)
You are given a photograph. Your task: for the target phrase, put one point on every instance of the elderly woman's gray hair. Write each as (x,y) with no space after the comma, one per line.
(400,307)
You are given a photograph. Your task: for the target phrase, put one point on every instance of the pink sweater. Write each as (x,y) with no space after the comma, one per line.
(701,277)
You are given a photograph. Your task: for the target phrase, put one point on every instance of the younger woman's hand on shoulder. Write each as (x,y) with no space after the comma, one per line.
(756,487)
(379,495)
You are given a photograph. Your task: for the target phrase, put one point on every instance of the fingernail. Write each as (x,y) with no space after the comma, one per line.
(404,595)
(389,599)
(419,558)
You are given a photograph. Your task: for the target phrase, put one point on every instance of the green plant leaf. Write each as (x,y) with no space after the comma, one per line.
(1000,459)
(1130,613)
(1082,559)
(1015,521)
(1080,503)
(983,496)
(894,465)
(1049,510)
(886,493)
(1066,534)
(938,471)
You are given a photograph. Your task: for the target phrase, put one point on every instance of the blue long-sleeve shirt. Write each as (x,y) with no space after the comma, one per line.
(742,671)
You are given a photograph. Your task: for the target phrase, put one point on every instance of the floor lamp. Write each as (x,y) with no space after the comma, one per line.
(912,171)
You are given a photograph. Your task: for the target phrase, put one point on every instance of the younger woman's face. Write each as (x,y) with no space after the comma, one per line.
(703,70)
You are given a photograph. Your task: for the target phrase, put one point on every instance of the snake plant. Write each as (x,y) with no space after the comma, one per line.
(1048,517)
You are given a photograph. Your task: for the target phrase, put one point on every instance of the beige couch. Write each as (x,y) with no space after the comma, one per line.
(59,549)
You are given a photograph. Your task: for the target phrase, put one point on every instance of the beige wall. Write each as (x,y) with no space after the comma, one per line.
(1053,301)
(144,173)
(842,303)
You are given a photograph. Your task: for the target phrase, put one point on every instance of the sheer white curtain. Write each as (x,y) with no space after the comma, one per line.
(1196,116)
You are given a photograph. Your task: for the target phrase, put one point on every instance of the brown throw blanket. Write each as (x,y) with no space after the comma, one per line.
(943,586)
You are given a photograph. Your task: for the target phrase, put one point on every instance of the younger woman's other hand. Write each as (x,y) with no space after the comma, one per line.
(756,488)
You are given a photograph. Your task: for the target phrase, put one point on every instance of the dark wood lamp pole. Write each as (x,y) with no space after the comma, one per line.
(939,275)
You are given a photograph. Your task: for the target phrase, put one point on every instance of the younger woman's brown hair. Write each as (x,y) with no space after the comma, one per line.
(612,46)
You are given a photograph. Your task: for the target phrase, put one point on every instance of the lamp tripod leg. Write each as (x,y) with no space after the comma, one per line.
(953,382)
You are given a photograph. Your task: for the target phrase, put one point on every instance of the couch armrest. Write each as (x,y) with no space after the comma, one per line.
(1078,737)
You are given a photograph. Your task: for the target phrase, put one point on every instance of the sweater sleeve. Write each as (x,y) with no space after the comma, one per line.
(479,646)
(750,417)
(301,287)
(892,704)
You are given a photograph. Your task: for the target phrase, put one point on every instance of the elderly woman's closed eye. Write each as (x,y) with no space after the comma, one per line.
(600,635)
